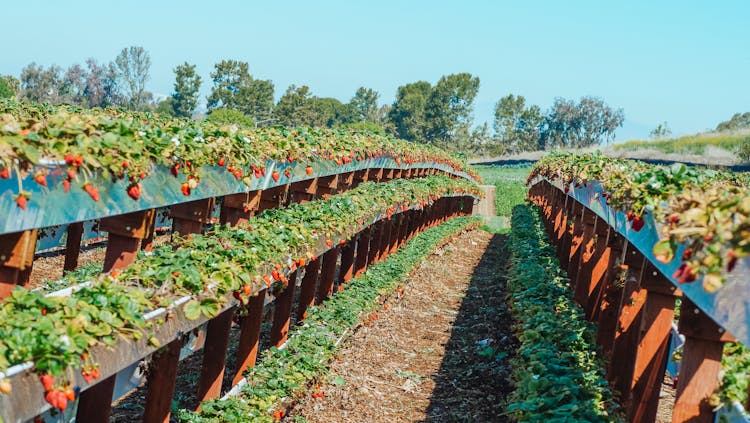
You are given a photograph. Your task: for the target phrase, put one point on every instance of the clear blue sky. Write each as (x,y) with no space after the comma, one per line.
(684,62)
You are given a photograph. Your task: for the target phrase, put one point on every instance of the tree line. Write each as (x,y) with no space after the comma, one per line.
(439,114)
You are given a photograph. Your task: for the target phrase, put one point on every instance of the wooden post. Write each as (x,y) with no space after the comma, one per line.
(282,315)
(347,264)
(189,218)
(576,243)
(95,403)
(247,351)
(653,345)
(625,344)
(16,257)
(594,260)
(585,247)
(307,289)
(385,246)
(363,247)
(215,356)
(162,378)
(303,191)
(147,243)
(237,208)
(273,198)
(73,246)
(375,237)
(327,186)
(327,274)
(700,365)
(611,294)
(563,252)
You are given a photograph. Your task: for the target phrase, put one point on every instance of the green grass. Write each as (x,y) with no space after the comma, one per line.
(510,191)
(693,144)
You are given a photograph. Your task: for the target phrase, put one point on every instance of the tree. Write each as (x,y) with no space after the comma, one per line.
(294,107)
(234,88)
(186,86)
(661,131)
(101,85)
(517,126)
(41,85)
(132,66)
(8,86)
(449,107)
(365,105)
(230,117)
(589,122)
(738,121)
(408,112)
(329,112)
(166,107)
(73,86)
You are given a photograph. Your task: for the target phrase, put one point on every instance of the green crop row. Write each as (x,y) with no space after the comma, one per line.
(557,372)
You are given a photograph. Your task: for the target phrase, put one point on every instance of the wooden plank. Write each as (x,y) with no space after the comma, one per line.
(162,378)
(73,246)
(124,238)
(627,333)
(385,246)
(576,242)
(147,242)
(653,348)
(594,260)
(16,259)
(588,221)
(327,274)
(307,288)
(611,295)
(250,324)
(95,403)
(282,314)
(375,237)
(346,271)
(363,247)
(190,217)
(215,356)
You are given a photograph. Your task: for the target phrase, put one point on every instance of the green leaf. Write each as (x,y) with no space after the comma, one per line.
(192,309)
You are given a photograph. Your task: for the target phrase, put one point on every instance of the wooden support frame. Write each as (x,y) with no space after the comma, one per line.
(73,246)
(282,314)
(16,259)
(327,275)
(250,325)
(362,255)
(215,356)
(307,289)
(161,382)
(346,271)
(238,208)
(189,218)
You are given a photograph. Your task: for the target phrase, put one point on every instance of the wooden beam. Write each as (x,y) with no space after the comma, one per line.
(327,274)
(16,258)
(162,377)
(282,314)
(215,356)
(250,325)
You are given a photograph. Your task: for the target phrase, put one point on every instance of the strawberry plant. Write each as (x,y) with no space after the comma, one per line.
(704,212)
(284,374)
(556,371)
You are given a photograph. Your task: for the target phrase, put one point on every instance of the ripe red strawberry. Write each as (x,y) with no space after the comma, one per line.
(5,173)
(66,185)
(134,191)
(309,170)
(40,179)
(47,381)
(275,275)
(275,176)
(69,158)
(287,173)
(92,191)
(78,160)
(247,289)
(267,280)
(637,223)
(21,201)
(72,173)
(237,174)
(221,162)
(175,169)
(329,243)
(236,295)
(674,218)
(70,394)
(630,215)
(124,164)
(185,189)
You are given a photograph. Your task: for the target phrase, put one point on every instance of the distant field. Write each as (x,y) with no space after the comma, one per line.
(691,144)
(510,191)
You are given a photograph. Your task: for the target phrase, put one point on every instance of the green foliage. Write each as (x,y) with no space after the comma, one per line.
(449,107)
(329,112)
(132,66)
(743,151)
(186,86)
(165,107)
(692,144)
(230,117)
(408,111)
(738,121)
(575,125)
(234,88)
(364,105)
(517,127)
(556,371)
(286,374)
(294,107)
(510,185)
(661,131)
(7,89)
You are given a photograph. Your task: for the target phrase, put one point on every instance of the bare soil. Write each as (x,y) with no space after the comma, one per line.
(426,358)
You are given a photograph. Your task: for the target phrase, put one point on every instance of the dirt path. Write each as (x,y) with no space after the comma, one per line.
(438,354)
